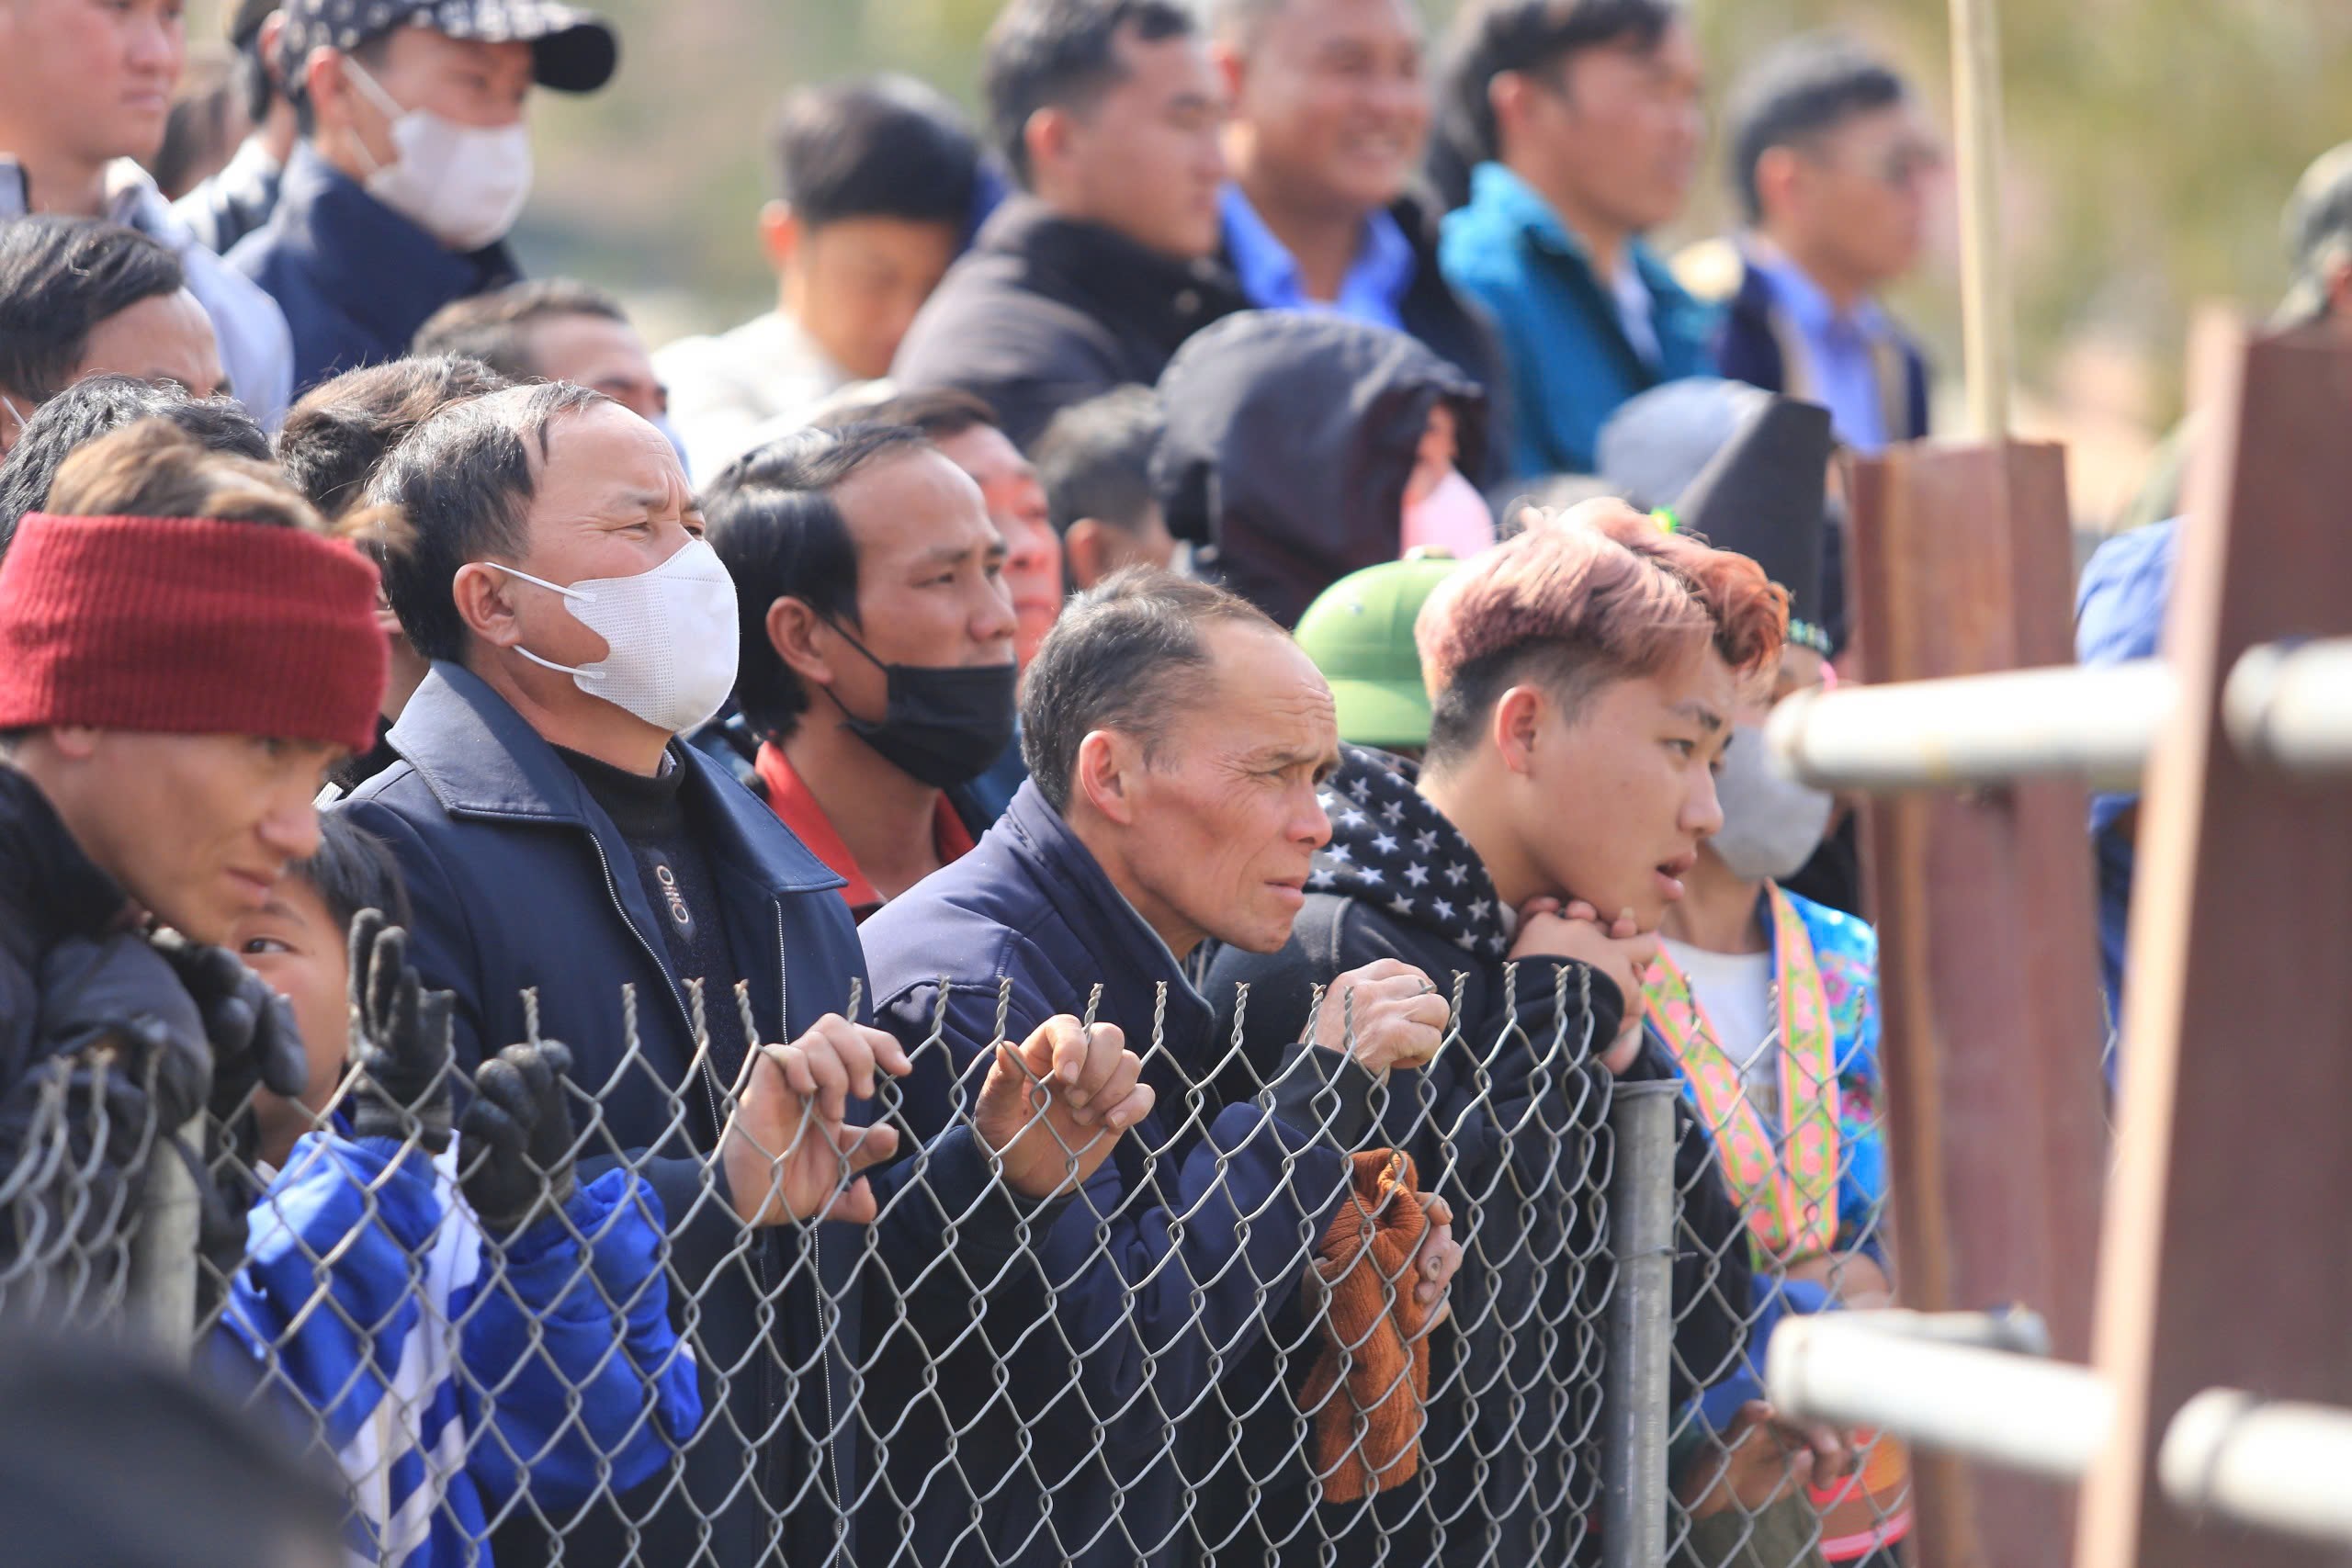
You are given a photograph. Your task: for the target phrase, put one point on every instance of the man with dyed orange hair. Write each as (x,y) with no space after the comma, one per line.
(1582,682)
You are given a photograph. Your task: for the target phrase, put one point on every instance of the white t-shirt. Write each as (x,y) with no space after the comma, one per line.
(1734,989)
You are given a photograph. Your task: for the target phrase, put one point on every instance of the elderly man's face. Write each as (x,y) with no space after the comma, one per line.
(1227,819)
(612,501)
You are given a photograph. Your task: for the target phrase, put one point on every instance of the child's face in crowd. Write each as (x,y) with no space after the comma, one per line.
(295,942)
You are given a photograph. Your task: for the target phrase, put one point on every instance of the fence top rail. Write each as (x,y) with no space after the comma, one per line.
(2288,705)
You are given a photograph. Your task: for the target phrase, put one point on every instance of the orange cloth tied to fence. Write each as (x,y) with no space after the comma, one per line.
(1368,1436)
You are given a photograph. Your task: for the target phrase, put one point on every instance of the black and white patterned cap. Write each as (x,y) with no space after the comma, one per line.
(572,50)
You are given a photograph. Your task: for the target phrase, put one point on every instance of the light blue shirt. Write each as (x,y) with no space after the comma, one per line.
(1843,349)
(1373,289)
(257,351)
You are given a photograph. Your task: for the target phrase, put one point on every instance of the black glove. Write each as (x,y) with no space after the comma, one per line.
(403,1040)
(518,1138)
(119,992)
(255,1042)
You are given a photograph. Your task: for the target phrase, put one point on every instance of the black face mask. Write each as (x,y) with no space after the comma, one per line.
(942,723)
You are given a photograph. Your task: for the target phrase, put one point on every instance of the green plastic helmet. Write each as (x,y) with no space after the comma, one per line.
(1359,631)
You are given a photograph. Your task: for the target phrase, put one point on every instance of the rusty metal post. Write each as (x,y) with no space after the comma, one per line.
(2228,1261)
(1989,998)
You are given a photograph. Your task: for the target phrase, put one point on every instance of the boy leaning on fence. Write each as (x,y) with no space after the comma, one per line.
(1576,698)
(184,652)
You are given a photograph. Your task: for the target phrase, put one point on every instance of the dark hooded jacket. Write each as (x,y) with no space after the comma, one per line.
(1289,437)
(79,1099)
(1045,311)
(1509,1112)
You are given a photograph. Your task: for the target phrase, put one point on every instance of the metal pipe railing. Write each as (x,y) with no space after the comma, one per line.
(2272,1464)
(2285,705)
(2289,706)
(1635,1387)
(160,1303)
(2017,1411)
(2097,721)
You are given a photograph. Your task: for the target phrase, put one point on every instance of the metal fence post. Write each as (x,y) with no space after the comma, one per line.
(1640,1325)
(160,1303)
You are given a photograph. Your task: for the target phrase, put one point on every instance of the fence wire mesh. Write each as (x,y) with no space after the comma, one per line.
(528,1342)
(1797,1134)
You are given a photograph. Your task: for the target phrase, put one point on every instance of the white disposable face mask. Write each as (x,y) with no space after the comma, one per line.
(671,634)
(1771,823)
(462,184)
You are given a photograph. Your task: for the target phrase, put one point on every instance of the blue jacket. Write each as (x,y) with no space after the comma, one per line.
(441,1368)
(1571,362)
(521,880)
(1166,1268)
(354,278)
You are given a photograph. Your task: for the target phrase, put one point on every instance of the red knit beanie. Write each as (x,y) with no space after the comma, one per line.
(189,625)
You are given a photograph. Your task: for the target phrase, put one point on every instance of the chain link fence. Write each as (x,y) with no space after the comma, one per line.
(620,1371)
(1799,1136)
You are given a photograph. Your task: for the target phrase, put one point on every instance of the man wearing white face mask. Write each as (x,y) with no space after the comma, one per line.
(1767,1001)
(414,163)
(555,833)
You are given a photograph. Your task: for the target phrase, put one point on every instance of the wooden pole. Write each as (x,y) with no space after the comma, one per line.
(1989,989)
(1986,326)
(2227,1258)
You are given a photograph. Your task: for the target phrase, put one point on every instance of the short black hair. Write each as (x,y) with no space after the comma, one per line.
(885,146)
(1129,655)
(942,413)
(342,429)
(495,327)
(771,516)
(353,870)
(59,279)
(96,405)
(1095,459)
(1062,54)
(464,479)
(1804,87)
(1528,36)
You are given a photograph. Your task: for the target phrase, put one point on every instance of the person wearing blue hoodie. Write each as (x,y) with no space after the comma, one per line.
(428,1309)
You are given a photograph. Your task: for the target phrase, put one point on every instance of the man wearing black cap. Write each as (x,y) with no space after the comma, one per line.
(232,202)
(414,162)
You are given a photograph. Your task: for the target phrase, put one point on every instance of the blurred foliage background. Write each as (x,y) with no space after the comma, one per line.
(2151,146)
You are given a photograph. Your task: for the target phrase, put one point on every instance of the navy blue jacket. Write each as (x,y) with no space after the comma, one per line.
(1749,347)
(1166,1269)
(354,278)
(520,880)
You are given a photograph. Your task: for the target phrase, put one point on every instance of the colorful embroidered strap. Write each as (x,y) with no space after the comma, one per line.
(1790,1190)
